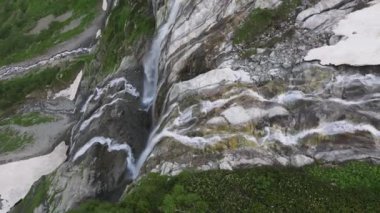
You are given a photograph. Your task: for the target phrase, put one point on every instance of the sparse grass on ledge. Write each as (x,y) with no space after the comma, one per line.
(261,21)
(27,119)
(11,140)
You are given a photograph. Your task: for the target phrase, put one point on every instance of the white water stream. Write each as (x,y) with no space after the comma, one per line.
(113,146)
(327,129)
(152,59)
(13,70)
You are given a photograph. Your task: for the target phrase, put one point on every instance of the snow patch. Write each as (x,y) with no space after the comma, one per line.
(361,46)
(71,92)
(98,34)
(17,177)
(105,5)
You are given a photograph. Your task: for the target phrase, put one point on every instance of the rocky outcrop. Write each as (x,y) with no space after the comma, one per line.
(273,107)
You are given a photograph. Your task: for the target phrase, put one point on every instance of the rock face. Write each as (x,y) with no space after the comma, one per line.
(217,107)
(272,108)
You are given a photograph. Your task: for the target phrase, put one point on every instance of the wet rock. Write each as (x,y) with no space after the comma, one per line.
(300,160)
(225,166)
(217,121)
(283,161)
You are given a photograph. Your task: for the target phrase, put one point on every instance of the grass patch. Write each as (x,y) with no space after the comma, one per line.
(27,119)
(11,140)
(35,197)
(265,189)
(131,21)
(262,21)
(354,175)
(18,17)
(15,90)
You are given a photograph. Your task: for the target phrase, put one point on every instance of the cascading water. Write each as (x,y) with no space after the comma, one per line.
(151,60)
(151,63)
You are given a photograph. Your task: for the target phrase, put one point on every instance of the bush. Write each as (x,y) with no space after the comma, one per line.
(179,200)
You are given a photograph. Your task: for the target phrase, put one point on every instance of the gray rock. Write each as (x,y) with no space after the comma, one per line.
(225,166)
(300,160)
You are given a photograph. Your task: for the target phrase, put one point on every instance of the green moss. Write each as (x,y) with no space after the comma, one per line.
(131,21)
(35,197)
(27,119)
(11,140)
(18,17)
(262,21)
(265,189)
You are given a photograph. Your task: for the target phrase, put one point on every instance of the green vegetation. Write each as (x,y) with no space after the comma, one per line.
(15,90)
(355,175)
(27,119)
(35,197)
(19,17)
(131,21)
(11,140)
(261,21)
(353,187)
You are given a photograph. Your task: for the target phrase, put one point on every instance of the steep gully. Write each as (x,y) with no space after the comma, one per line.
(151,63)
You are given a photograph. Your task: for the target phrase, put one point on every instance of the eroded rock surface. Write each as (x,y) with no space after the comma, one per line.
(273,107)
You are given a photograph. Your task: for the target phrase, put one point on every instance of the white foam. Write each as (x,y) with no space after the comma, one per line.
(98,93)
(289,97)
(112,147)
(328,129)
(97,114)
(152,59)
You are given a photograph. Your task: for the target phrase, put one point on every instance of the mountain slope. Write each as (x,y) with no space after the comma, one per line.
(220,85)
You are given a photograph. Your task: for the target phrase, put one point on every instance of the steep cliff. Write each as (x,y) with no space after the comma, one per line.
(221,84)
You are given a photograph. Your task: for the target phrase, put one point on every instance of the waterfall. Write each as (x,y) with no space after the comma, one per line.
(112,146)
(152,59)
